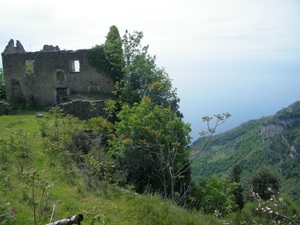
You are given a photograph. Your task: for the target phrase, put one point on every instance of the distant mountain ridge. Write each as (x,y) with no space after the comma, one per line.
(273,141)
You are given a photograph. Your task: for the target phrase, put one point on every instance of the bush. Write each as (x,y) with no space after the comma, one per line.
(265,183)
(216,196)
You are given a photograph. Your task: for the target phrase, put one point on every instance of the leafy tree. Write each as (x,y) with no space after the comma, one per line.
(142,78)
(152,146)
(235,174)
(265,183)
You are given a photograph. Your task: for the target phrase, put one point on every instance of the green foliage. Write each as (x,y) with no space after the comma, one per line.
(2,85)
(67,189)
(152,146)
(108,58)
(53,185)
(254,143)
(18,144)
(29,66)
(97,59)
(276,209)
(114,53)
(265,183)
(215,196)
(33,182)
(235,176)
(142,78)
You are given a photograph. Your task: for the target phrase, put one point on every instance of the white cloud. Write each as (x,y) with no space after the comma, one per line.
(202,28)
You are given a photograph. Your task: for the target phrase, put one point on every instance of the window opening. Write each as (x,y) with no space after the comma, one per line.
(75,66)
(29,67)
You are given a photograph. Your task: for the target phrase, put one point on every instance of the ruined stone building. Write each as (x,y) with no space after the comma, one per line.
(51,75)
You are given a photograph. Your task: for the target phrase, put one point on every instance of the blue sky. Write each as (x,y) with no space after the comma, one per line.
(238,56)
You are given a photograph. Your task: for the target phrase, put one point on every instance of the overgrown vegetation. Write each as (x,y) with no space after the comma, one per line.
(2,85)
(132,166)
(59,173)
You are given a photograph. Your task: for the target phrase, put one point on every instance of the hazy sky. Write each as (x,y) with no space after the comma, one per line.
(223,55)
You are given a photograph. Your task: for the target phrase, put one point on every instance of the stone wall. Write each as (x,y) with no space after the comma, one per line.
(83,109)
(50,75)
(5,108)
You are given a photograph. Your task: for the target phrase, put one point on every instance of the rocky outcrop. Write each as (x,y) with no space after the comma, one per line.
(281,121)
(271,130)
(5,108)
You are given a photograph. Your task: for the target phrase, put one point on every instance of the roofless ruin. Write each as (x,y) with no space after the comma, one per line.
(51,75)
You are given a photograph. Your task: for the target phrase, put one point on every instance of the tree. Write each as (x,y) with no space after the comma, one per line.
(108,58)
(114,53)
(152,146)
(142,78)
(215,196)
(265,183)
(235,174)
(234,177)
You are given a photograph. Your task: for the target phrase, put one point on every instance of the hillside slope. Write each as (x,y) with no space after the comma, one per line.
(273,141)
(35,176)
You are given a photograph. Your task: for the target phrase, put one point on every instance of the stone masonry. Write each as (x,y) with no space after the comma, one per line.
(5,108)
(51,75)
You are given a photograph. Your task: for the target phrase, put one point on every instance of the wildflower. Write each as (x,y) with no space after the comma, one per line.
(41,212)
(217,213)
(13,211)
(271,212)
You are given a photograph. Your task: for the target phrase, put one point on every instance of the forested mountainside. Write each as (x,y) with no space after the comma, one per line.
(273,141)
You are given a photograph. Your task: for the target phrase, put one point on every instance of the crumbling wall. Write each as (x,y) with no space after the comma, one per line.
(50,75)
(5,108)
(83,109)
(10,48)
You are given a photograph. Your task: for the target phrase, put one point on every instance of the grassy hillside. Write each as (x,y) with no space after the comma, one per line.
(33,179)
(273,141)
(39,179)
